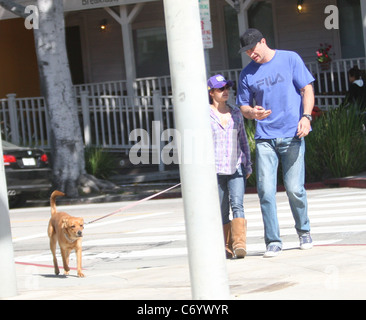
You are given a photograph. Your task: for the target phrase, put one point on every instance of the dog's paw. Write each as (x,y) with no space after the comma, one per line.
(66,273)
(81,275)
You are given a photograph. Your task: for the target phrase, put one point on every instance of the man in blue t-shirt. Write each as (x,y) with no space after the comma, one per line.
(275,89)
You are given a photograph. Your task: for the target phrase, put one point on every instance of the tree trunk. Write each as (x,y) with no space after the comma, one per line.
(67,144)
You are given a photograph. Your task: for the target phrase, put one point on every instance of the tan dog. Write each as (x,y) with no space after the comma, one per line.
(68,232)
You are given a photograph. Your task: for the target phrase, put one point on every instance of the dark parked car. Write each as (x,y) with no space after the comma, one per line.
(27,172)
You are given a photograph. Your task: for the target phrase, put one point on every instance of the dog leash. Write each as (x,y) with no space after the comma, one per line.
(133,204)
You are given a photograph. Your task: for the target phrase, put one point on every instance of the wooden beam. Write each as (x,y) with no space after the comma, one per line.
(130,17)
(125,19)
(114,15)
(128,49)
(246,4)
(135,12)
(231,2)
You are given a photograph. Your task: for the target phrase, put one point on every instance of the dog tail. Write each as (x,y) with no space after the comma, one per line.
(54,194)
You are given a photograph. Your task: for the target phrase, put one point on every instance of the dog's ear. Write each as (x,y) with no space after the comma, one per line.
(64,223)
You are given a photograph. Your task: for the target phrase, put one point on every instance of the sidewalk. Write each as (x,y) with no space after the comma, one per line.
(321,273)
(333,271)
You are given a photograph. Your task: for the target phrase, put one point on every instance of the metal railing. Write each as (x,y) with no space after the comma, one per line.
(24,121)
(330,80)
(108,116)
(106,121)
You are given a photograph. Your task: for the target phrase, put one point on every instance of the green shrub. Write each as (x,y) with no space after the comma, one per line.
(250,130)
(337,145)
(99,163)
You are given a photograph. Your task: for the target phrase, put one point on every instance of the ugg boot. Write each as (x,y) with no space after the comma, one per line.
(228,242)
(239,236)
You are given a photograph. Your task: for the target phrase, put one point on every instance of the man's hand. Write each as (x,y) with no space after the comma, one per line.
(303,128)
(260,113)
(257,112)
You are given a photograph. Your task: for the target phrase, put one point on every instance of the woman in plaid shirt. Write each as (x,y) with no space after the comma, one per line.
(233,164)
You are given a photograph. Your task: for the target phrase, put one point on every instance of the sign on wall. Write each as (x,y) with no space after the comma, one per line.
(92,4)
(206,26)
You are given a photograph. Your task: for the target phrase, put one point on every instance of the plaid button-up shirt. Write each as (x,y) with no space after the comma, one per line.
(230,143)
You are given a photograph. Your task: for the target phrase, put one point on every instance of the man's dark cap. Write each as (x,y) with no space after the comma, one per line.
(249,39)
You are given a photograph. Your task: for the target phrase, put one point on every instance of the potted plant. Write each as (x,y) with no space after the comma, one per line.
(323,56)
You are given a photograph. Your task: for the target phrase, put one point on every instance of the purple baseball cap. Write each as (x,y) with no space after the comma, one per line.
(218,81)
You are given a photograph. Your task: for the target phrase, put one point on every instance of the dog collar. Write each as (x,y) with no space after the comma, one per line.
(68,239)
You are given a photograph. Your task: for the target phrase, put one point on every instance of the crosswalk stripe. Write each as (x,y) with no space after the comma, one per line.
(134,240)
(156,252)
(254,223)
(286,212)
(314,230)
(95,225)
(46,256)
(337,205)
(332,216)
(359,206)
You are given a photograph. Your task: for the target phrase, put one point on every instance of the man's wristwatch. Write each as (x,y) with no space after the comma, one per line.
(308,116)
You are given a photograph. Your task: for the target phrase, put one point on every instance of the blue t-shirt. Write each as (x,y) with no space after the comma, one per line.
(275,85)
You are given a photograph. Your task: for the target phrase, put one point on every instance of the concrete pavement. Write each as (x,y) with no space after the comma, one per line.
(324,272)
(120,265)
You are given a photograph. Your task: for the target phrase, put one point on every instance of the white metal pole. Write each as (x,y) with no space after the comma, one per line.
(7,266)
(197,166)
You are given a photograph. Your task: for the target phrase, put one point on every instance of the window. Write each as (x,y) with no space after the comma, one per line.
(73,45)
(232,37)
(350,29)
(260,17)
(151,52)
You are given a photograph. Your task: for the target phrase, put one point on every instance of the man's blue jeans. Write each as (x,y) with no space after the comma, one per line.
(291,152)
(231,192)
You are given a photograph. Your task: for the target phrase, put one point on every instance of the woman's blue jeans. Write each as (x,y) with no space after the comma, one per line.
(231,192)
(291,153)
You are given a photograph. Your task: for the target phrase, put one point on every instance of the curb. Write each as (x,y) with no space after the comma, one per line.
(347,182)
(351,182)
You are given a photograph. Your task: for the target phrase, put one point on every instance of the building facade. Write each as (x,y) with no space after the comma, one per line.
(126,39)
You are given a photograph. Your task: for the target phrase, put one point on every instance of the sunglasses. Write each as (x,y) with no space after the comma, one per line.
(222,89)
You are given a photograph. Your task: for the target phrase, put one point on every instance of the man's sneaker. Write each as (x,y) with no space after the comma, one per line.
(273,250)
(305,241)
